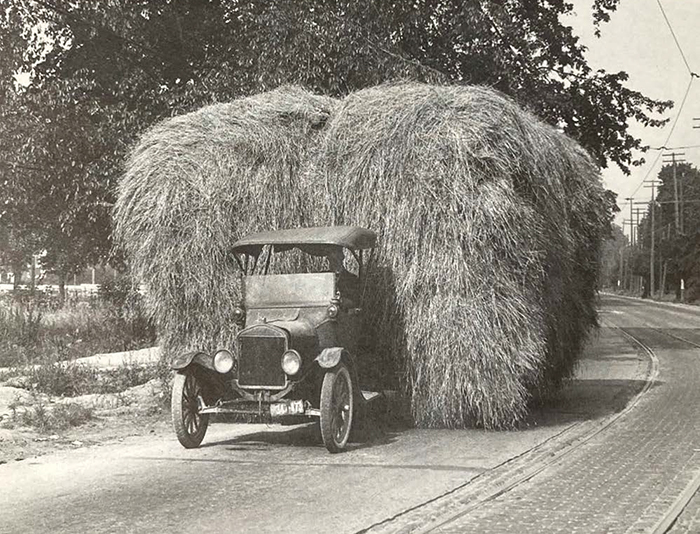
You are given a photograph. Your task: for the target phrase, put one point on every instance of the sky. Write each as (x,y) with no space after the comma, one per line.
(638,41)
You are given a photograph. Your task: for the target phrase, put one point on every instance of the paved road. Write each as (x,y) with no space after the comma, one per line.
(629,476)
(246,479)
(272,479)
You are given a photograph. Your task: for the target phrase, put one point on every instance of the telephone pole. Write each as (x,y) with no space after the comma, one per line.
(674,161)
(630,223)
(653,237)
(637,212)
(631,201)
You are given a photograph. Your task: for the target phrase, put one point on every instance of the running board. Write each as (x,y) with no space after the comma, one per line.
(369,396)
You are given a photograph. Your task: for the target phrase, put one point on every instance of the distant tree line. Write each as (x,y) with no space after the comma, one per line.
(676,227)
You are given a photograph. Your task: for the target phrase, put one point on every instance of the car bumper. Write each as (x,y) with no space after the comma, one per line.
(271,410)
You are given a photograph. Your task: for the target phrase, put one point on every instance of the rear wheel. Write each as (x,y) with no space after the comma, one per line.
(190,426)
(336,408)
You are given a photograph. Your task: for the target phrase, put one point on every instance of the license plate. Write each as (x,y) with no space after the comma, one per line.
(294,407)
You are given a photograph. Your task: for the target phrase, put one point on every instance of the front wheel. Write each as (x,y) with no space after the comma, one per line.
(190,426)
(336,408)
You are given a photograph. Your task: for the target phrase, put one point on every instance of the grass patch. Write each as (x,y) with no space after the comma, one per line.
(32,330)
(47,417)
(70,379)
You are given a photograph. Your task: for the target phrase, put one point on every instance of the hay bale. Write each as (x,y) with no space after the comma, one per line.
(196,183)
(488,222)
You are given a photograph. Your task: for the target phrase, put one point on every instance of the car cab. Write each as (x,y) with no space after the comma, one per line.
(295,355)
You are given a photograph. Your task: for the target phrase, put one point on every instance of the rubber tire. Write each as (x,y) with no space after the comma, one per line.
(179,410)
(333,442)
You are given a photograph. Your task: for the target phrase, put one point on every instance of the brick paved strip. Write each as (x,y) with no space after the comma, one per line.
(688,522)
(492,484)
(628,478)
(673,513)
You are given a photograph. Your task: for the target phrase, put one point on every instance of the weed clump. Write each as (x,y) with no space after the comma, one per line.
(71,379)
(47,417)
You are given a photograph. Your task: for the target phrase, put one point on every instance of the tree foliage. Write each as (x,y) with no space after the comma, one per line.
(102,71)
(675,246)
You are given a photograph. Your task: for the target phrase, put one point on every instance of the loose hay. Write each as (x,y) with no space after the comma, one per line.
(196,183)
(489,224)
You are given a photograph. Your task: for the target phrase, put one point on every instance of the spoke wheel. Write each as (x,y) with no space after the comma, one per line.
(190,426)
(336,408)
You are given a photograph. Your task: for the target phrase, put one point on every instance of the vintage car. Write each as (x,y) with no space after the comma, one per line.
(295,357)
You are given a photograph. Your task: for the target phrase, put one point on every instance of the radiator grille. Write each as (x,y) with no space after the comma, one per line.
(260,361)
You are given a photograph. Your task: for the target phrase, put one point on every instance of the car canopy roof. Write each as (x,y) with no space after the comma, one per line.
(352,237)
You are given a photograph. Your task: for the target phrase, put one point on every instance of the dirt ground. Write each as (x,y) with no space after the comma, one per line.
(139,411)
(107,426)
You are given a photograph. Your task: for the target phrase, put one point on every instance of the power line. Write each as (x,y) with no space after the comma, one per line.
(664,147)
(675,39)
(680,109)
(668,137)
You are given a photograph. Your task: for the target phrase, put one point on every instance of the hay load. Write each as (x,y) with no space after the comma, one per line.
(490,223)
(195,184)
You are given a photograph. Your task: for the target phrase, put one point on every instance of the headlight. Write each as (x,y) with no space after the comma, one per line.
(239,315)
(333,311)
(291,362)
(223,361)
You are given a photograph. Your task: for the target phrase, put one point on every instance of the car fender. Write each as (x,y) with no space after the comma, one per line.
(182,361)
(332,356)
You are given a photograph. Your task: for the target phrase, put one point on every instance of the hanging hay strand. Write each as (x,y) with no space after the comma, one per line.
(196,183)
(489,224)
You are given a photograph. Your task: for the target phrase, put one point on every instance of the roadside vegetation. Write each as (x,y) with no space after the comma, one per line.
(35,329)
(627,265)
(40,342)
(37,413)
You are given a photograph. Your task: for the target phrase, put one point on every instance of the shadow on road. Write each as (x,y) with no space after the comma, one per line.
(580,400)
(371,429)
(585,399)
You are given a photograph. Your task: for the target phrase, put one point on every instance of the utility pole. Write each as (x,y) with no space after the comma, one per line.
(674,161)
(631,201)
(635,239)
(680,194)
(653,237)
(637,212)
(630,223)
(620,279)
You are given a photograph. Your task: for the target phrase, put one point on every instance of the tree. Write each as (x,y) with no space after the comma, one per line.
(160,57)
(677,249)
(103,71)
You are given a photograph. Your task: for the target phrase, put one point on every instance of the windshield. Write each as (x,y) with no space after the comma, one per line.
(289,290)
(306,259)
